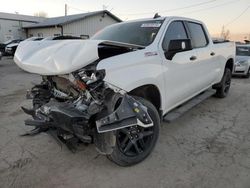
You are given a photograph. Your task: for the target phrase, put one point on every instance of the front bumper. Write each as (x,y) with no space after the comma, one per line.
(67,122)
(9,51)
(240,70)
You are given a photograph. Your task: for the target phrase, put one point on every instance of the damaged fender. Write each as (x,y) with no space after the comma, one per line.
(129,113)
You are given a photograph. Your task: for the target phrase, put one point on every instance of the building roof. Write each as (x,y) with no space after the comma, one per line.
(20,17)
(57,21)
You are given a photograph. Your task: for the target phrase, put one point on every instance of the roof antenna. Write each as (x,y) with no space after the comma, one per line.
(156,16)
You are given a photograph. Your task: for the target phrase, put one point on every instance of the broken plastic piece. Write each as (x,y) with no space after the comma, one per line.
(129,113)
(32,132)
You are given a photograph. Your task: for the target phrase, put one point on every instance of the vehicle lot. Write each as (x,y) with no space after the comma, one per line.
(208,147)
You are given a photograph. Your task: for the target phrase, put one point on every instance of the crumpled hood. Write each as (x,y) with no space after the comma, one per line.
(56,57)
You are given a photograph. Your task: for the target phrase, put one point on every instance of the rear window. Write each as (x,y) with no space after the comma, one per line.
(198,35)
(139,33)
(242,51)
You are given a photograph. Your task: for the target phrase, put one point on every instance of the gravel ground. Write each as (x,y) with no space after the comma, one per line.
(207,147)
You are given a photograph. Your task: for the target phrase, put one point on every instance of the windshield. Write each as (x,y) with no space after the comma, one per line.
(243,51)
(140,33)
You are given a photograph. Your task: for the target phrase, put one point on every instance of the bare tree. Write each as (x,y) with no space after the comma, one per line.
(41,14)
(225,33)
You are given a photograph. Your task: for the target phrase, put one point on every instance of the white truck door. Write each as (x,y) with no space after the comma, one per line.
(180,73)
(205,64)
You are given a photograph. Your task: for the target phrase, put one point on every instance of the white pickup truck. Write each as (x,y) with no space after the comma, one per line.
(115,88)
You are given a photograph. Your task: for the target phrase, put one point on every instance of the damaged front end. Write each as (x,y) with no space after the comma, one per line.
(82,108)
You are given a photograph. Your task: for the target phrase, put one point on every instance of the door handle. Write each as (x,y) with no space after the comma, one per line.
(212,53)
(192,58)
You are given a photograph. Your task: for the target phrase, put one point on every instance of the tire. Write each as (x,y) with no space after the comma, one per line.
(223,89)
(131,149)
(248,74)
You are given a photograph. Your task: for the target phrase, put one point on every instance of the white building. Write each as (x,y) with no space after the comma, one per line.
(11,25)
(84,25)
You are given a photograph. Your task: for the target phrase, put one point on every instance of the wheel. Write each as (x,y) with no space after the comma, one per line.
(223,89)
(134,144)
(248,74)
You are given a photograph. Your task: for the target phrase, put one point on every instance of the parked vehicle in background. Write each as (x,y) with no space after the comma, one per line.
(34,39)
(63,37)
(114,89)
(242,63)
(10,49)
(4,44)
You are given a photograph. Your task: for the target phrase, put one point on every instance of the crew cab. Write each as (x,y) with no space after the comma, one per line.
(178,61)
(125,79)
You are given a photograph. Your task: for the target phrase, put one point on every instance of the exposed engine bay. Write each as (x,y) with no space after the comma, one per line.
(80,107)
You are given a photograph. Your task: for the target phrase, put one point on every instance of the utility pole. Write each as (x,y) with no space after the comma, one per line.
(104,7)
(66,9)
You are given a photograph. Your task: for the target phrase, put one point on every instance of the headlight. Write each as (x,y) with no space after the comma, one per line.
(242,62)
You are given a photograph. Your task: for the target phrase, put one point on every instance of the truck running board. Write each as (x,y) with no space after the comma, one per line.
(179,111)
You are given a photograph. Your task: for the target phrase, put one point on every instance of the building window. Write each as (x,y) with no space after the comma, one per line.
(84,36)
(40,35)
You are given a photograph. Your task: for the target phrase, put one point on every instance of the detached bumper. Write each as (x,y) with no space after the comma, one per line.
(69,122)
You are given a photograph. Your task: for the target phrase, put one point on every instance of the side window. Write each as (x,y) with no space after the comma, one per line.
(198,35)
(84,36)
(176,30)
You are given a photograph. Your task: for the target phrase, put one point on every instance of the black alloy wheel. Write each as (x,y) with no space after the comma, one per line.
(223,87)
(134,140)
(227,83)
(248,73)
(134,144)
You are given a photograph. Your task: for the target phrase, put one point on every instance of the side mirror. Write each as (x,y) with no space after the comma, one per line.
(176,46)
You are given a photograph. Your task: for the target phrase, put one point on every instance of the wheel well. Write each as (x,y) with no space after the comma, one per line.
(150,93)
(230,64)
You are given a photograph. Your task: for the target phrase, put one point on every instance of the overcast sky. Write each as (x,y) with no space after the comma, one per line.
(215,13)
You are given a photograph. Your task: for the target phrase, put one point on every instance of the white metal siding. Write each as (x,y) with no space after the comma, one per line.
(11,29)
(88,26)
(44,32)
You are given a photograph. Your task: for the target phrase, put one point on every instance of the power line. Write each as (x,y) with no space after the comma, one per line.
(204,9)
(77,9)
(241,14)
(209,8)
(81,10)
(170,10)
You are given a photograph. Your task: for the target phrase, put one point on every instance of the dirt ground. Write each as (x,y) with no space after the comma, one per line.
(207,147)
